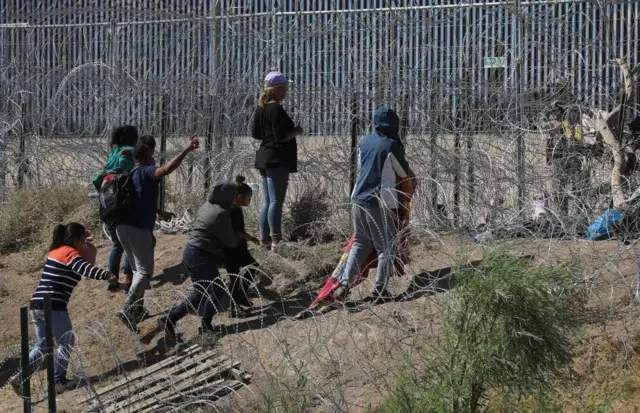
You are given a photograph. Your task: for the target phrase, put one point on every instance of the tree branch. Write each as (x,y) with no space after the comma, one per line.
(628,88)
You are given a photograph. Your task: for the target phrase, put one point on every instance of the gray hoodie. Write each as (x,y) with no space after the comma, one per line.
(212,228)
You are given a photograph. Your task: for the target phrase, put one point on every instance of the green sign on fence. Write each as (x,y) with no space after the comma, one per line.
(495,62)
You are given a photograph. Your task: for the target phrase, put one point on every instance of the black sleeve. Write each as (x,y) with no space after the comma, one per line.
(282,123)
(255,129)
(237,220)
(398,152)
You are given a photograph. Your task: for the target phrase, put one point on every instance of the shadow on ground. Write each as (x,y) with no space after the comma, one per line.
(171,275)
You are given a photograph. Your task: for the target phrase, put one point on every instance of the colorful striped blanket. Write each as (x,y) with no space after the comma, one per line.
(324,302)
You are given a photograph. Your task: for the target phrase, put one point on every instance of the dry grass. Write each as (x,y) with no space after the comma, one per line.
(28,216)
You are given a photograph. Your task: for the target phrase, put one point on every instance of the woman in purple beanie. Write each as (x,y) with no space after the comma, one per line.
(277,156)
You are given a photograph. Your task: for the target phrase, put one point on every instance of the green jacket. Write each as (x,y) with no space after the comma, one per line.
(120,161)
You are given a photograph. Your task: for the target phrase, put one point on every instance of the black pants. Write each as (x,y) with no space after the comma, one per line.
(208,289)
(239,277)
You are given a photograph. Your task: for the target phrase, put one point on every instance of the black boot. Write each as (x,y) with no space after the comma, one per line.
(166,325)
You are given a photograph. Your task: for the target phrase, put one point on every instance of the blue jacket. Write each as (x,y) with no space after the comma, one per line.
(374,152)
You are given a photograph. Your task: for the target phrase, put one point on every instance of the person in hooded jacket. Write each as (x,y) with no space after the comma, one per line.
(212,231)
(375,203)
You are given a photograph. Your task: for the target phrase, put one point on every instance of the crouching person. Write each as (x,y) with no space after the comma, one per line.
(203,255)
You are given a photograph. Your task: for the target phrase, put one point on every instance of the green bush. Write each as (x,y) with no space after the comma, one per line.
(508,331)
(307,215)
(28,216)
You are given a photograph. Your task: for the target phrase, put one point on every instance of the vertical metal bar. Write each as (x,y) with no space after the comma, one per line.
(48,354)
(456,177)
(163,148)
(26,368)
(354,144)
(22,156)
(518,72)
(208,148)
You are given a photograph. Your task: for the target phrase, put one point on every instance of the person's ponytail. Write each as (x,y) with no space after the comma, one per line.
(268,94)
(66,235)
(243,188)
(262,100)
(58,237)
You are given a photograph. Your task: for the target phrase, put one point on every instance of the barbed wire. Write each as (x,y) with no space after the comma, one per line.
(69,75)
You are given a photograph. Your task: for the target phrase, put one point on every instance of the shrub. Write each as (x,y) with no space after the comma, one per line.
(28,216)
(508,330)
(306,216)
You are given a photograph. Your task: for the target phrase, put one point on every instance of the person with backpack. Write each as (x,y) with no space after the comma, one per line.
(151,143)
(120,160)
(63,270)
(277,156)
(135,227)
(383,166)
(239,262)
(211,233)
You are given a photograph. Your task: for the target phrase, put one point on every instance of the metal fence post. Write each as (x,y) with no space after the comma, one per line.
(26,368)
(23,167)
(208,148)
(51,380)
(163,150)
(353,160)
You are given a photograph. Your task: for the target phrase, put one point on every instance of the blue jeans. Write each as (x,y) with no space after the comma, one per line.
(62,333)
(374,230)
(116,253)
(208,288)
(274,191)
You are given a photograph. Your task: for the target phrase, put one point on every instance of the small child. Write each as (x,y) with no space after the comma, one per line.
(64,268)
(236,259)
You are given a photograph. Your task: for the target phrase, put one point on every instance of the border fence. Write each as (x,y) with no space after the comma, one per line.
(472,81)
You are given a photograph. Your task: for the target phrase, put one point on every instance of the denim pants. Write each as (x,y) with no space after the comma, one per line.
(274,190)
(208,288)
(62,333)
(374,230)
(139,244)
(116,253)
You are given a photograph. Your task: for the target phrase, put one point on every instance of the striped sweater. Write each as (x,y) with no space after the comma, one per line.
(62,272)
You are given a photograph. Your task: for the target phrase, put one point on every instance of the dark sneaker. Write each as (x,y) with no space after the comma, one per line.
(16,384)
(113,288)
(64,385)
(341,293)
(381,296)
(237,311)
(170,338)
(128,321)
(209,333)
(266,244)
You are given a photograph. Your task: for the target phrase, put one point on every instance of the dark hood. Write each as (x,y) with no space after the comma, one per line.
(223,194)
(386,122)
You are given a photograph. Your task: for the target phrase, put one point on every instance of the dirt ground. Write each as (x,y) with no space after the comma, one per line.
(347,359)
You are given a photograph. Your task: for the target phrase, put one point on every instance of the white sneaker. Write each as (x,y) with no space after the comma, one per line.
(16,384)
(276,246)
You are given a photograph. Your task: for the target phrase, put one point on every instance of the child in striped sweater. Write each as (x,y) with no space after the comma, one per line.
(62,271)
